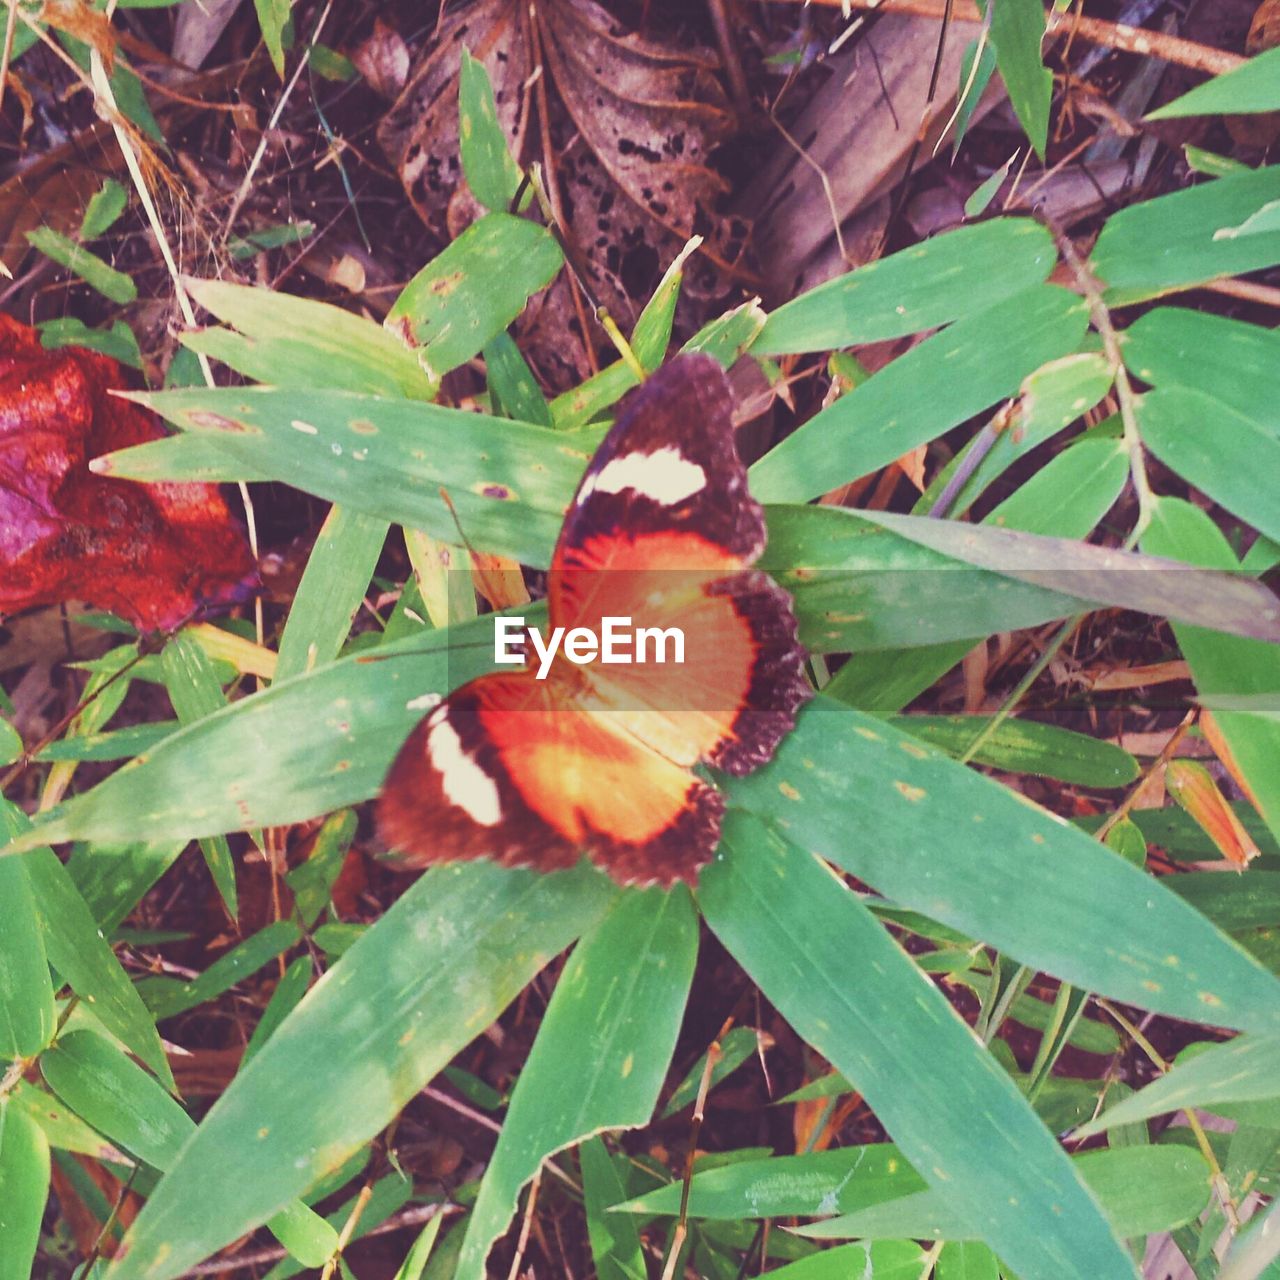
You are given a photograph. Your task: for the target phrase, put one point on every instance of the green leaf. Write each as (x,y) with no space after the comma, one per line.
(1140,1189)
(96,273)
(1242,1070)
(1253,87)
(104,207)
(1084,480)
(194,691)
(1225,664)
(1017,31)
(933,387)
(871,580)
(879,1260)
(63,1128)
(288,341)
(510,481)
(289,991)
(652,334)
(1172,240)
(965,851)
(1229,456)
(10,742)
(26,990)
(973,82)
(473,290)
(333,584)
(816,1184)
(967,1260)
(1126,839)
(24,1188)
(1229,360)
(118,342)
(312,881)
(1024,746)
(87,964)
(415,989)
(166,997)
(943,279)
(951,1108)
(300,748)
(739,1045)
(512,386)
(99,1083)
(621,996)
(273,15)
(491,173)
(616,1248)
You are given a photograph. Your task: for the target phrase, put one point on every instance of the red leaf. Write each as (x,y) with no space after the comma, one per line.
(153,554)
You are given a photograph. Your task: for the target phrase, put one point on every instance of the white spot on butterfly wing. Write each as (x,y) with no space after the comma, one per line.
(463,781)
(665,475)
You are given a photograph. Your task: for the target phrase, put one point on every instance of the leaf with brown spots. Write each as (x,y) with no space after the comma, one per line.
(153,554)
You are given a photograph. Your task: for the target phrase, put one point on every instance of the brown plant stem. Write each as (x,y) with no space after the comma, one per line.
(1111,35)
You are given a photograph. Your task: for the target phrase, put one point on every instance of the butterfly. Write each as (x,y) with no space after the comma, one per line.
(600,758)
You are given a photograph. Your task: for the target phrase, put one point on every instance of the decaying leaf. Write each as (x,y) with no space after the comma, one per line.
(1193,787)
(153,554)
(632,123)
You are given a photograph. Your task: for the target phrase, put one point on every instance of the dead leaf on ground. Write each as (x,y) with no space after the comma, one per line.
(1193,787)
(633,123)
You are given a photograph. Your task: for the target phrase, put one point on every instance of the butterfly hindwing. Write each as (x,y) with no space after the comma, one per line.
(518,770)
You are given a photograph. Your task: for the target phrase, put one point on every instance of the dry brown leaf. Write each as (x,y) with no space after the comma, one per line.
(1193,787)
(1136,677)
(383,60)
(78,20)
(632,124)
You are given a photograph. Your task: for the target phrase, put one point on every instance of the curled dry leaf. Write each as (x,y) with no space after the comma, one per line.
(632,123)
(153,554)
(1193,787)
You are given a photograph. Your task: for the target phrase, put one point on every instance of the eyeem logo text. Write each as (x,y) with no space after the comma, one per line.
(617,644)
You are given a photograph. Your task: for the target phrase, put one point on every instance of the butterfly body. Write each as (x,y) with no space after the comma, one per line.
(600,759)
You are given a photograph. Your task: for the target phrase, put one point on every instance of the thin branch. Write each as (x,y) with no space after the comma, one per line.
(1111,35)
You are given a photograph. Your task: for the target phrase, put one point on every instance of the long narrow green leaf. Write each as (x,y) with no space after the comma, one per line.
(1242,1070)
(948,276)
(1255,86)
(491,173)
(615,1242)
(24,1188)
(1141,1190)
(26,990)
(961,849)
(333,585)
(415,988)
(1173,240)
(509,481)
(1017,31)
(99,1083)
(923,394)
(195,692)
(287,341)
(880,1260)
(303,747)
(601,1052)
(86,962)
(948,1104)
(96,273)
